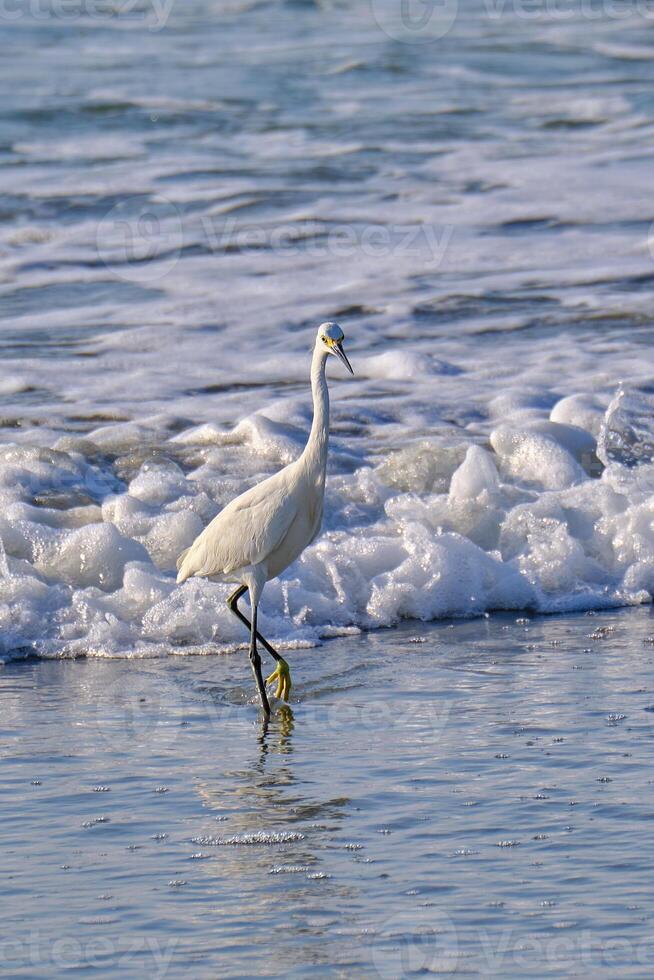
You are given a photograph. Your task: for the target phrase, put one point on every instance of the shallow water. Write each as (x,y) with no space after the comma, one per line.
(469,798)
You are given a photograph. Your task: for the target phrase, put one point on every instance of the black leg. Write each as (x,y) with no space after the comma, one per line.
(255,660)
(232,602)
(281,675)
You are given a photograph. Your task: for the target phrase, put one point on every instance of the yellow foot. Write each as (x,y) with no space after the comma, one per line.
(281,674)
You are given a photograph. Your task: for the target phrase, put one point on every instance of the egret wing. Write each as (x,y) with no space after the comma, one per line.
(259,526)
(244,533)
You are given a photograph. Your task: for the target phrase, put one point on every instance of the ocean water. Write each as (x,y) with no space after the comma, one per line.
(465,798)
(188,189)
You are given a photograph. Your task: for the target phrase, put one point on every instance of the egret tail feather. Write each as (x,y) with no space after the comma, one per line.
(184,569)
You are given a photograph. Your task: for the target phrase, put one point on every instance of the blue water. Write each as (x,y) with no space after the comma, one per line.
(203,180)
(466,799)
(188,189)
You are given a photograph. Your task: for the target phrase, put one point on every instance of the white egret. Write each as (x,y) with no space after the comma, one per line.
(259,534)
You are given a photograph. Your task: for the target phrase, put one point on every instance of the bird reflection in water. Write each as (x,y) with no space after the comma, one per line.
(263,782)
(276,732)
(266,813)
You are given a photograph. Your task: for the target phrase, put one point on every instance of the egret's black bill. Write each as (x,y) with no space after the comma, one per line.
(338,350)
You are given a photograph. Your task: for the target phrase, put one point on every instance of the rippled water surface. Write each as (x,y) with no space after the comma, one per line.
(469,798)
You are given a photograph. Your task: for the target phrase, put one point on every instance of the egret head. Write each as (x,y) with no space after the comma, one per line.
(330,338)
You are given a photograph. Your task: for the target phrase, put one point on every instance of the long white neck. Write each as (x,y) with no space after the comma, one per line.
(314,457)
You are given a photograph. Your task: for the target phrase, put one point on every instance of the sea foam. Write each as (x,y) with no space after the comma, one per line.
(538,516)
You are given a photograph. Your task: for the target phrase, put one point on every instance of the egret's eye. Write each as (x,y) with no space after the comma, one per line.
(324,340)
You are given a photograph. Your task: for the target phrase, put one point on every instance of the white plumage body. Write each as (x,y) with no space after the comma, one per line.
(255,537)
(259,534)
(266,528)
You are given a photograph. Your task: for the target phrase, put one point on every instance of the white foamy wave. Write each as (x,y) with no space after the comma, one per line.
(441,527)
(478,230)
